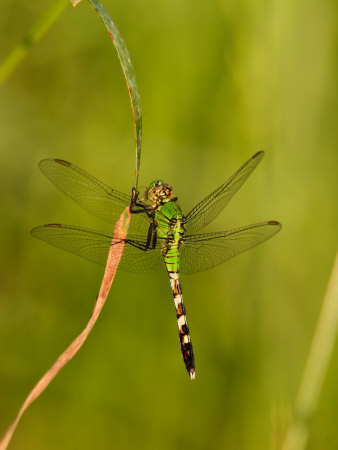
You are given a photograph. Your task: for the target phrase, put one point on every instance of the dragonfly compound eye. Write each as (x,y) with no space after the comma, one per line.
(158,190)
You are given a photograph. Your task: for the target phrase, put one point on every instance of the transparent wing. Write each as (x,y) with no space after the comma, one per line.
(204,251)
(94,246)
(211,206)
(89,192)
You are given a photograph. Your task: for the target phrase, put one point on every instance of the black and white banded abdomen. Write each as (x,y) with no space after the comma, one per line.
(183,329)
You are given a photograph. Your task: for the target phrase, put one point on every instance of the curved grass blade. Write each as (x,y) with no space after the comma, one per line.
(203,251)
(209,208)
(121,228)
(129,74)
(114,257)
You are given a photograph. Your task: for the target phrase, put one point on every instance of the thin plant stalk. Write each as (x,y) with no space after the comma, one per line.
(129,74)
(316,367)
(42,26)
(114,257)
(32,37)
(121,227)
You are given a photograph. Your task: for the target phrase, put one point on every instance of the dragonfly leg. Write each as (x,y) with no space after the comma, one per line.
(152,236)
(134,196)
(144,207)
(134,202)
(151,241)
(154,239)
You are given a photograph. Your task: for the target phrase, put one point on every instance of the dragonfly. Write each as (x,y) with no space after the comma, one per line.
(159,232)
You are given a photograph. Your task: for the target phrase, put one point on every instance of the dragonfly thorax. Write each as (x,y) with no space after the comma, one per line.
(159,192)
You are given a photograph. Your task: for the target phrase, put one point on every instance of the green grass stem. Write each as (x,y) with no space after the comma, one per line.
(121,226)
(316,367)
(129,74)
(30,38)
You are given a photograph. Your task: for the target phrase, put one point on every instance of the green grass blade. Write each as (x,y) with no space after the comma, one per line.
(42,26)
(129,74)
(316,367)
(33,36)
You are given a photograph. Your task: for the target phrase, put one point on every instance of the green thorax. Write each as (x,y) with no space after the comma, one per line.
(170,232)
(169,221)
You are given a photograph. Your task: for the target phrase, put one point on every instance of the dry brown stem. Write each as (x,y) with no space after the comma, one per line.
(114,257)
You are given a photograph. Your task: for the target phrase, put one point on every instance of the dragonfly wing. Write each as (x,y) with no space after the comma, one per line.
(94,246)
(204,251)
(140,261)
(209,208)
(89,192)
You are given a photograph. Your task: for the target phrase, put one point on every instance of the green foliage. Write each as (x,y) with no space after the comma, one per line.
(30,38)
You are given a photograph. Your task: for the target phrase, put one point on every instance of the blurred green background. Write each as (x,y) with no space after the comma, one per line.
(218,82)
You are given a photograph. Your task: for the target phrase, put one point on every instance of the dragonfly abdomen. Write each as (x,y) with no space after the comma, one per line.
(183,329)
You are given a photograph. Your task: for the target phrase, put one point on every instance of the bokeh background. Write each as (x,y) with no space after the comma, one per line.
(218,82)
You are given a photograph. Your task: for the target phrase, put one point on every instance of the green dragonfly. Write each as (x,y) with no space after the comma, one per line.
(163,234)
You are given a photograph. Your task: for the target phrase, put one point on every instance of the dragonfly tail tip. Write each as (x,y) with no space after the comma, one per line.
(192,374)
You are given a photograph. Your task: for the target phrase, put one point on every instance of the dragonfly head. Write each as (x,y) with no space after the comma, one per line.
(159,192)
